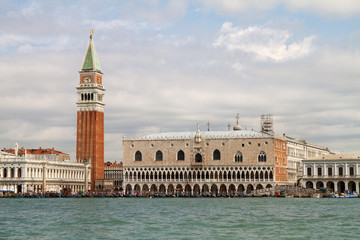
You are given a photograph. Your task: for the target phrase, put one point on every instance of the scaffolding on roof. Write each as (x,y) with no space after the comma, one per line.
(267,123)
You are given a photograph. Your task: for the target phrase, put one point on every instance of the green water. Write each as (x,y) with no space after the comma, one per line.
(220,218)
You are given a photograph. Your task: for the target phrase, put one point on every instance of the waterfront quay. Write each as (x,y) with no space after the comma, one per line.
(278,192)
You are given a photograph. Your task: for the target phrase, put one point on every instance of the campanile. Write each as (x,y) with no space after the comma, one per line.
(90,114)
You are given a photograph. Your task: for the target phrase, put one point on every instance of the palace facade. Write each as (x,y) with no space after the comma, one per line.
(209,162)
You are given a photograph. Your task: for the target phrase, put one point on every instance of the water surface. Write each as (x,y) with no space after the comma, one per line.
(179,218)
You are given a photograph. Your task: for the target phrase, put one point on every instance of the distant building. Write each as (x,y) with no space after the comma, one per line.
(90,114)
(337,173)
(298,150)
(114,171)
(40,170)
(40,151)
(206,162)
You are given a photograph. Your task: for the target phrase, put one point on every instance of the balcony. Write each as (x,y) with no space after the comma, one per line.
(197,163)
(331,176)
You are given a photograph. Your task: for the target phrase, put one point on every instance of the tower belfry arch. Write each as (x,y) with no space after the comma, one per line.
(90,114)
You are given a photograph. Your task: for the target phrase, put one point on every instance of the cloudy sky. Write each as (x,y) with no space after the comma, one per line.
(169,65)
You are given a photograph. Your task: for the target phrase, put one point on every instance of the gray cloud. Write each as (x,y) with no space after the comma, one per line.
(160,79)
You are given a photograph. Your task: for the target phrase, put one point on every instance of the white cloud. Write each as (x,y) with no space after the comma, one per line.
(265,43)
(172,40)
(26,44)
(120,23)
(31,10)
(26,48)
(238,66)
(231,6)
(344,8)
(10,40)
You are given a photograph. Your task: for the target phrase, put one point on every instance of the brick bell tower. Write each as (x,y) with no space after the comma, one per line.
(90,114)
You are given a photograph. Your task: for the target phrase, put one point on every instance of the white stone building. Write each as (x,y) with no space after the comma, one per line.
(298,150)
(337,173)
(34,173)
(114,171)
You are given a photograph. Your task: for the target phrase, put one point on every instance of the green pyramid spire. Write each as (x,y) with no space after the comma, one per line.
(91,61)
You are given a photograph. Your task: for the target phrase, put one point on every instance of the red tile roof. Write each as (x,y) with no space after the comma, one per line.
(39,151)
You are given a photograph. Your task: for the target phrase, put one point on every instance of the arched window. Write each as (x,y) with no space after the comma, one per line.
(159,156)
(198,158)
(216,155)
(262,157)
(180,155)
(238,157)
(138,156)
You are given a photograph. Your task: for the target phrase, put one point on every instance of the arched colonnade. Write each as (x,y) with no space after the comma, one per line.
(194,189)
(339,186)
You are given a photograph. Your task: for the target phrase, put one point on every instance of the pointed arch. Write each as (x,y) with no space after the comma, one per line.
(153,189)
(214,189)
(159,156)
(223,190)
(205,189)
(180,155)
(216,155)
(232,189)
(262,157)
(198,157)
(238,157)
(138,156)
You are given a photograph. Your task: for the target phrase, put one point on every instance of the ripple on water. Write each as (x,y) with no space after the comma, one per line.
(236,218)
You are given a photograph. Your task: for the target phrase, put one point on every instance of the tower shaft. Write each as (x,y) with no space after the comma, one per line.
(90,115)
